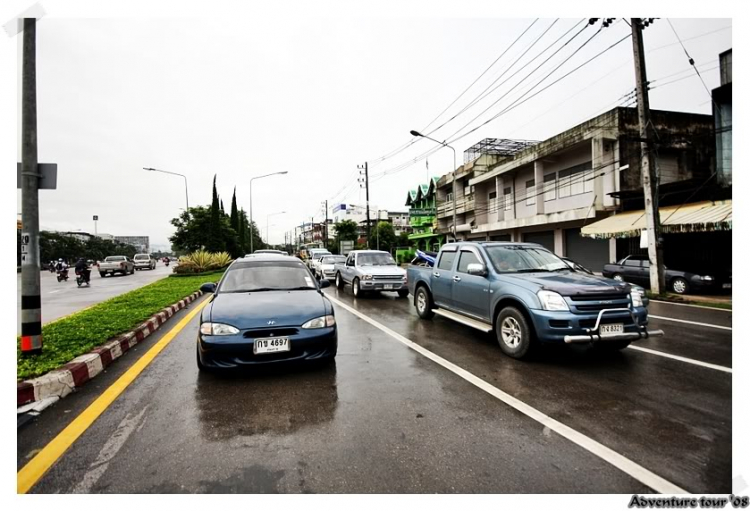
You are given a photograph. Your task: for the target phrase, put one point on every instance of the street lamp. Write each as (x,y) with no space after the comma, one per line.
(268,237)
(174,174)
(251,202)
(415,133)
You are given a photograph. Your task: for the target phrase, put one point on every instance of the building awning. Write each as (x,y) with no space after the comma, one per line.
(425,235)
(704,216)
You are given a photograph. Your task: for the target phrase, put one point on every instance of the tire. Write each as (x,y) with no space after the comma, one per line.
(679,285)
(132,272)
(618,277)
(356,290)
(514,335)
(201,367)
(339,281)
(102,274)
(423,303)
(403,293)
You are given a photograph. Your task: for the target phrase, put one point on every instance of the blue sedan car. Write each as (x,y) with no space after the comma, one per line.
(266,309)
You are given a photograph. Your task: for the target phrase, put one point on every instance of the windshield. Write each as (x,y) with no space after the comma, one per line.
(375,259)
(115,258)
(524,259)
(140,257)
(333,260)
(266,276)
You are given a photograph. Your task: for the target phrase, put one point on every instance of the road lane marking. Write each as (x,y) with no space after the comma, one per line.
(637,472)
(30,474)
(650,316)
(691,305)
(682,359)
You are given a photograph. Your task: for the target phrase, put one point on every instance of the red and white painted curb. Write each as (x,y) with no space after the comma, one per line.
(61,382)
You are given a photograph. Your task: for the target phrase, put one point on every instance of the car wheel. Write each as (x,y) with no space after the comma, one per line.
(202,368)
(680,286)
(102,274)
(423,302)
(514,335)
(339,281)
(618,277)
(403,293)
(356,291)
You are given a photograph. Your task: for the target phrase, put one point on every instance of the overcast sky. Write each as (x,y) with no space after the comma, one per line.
(244,97)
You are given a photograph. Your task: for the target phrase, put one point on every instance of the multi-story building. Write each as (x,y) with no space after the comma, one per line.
(722,107)
(400,222)
(546,192)
(422,204)
(139,242)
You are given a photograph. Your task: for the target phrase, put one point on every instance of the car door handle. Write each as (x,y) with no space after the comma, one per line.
(456,278)
(435,274)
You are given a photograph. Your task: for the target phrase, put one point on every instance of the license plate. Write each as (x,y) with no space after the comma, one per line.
(615,328)
(270,345)
(727,286)
(387,286)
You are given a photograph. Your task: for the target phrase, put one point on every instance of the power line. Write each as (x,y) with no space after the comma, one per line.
(690,59)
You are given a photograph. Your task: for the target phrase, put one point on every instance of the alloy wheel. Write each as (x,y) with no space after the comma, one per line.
(510,331)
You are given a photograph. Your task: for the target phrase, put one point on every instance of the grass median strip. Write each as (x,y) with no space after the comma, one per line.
(78,333)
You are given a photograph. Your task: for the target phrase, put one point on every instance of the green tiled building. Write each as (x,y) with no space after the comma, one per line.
(422,204)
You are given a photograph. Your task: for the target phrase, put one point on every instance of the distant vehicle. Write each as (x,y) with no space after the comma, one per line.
(635,269)
(268,251)
(325,267)
(526,294)
(266,310)
(116,264)
(371,270)
(634,287)
(315,253)
(144,262)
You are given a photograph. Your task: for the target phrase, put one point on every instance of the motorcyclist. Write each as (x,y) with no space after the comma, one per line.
(82,268)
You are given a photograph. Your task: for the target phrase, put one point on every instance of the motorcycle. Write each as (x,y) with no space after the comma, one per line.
(83,277)
(166,263)
(62,275)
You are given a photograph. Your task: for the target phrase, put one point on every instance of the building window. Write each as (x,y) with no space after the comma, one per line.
(508,198)
(530,193)
(563,184)
(449,197)
(549,186)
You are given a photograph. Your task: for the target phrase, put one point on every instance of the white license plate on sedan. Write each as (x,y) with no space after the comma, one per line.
(387,286)
(614,328)
(270,345)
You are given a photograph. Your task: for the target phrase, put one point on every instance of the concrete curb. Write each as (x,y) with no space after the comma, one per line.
(61,382)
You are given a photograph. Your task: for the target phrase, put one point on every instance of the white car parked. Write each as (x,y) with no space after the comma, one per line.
(324,267)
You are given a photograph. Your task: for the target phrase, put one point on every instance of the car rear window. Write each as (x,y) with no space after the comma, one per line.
(266,276)
(115,258)
(138,257)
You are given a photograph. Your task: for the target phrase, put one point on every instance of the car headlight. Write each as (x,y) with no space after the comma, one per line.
(552,301)
(366,277)
(321,322)
(218,329)
(636,299)
(707,277)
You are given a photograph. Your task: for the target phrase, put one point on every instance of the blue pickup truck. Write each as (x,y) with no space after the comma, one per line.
(526,294)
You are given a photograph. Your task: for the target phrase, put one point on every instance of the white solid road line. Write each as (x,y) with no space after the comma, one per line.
(619,461)
(694,306)
(682,359)
(690,322)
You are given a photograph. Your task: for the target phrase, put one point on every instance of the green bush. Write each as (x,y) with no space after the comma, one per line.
(69,337)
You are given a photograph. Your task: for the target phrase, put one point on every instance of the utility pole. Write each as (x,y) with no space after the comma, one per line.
(31,302)
(325,230)
(648,168)
(366,182)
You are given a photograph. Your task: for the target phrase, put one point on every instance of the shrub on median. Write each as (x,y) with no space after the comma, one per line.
(78,333)
(202,261)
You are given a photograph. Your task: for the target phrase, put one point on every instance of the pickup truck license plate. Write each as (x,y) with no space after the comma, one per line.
(615,328)
(270,345)
(387,286)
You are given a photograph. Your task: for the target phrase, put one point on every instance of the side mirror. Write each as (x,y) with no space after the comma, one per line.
(324,283)
(477,269)
(208,287)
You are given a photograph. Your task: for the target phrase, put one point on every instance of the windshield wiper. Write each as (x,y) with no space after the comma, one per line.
(300,288)
(252,290)
(532,270)
(565,268)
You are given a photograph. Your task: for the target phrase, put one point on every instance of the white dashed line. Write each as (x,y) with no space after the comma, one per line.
(651,316)
(682,359)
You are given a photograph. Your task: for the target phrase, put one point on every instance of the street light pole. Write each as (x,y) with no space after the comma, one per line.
(150,169)
(251,202)
(415,133)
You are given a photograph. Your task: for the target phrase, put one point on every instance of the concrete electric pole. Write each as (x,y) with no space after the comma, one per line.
(648,168)
(31,303)
(366,183)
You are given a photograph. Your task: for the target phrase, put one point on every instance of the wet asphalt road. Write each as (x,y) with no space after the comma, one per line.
(62,298)
(384,418)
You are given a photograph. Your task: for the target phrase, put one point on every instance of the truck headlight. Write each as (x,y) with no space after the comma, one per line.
(320,322)
(366,277)
(552,301)
(636,299)
(218,329)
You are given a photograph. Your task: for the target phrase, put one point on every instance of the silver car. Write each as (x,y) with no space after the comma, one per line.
(371,270)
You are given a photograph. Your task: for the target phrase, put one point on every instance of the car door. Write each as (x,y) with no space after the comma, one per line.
(471,292)
(348,268)
(442,277)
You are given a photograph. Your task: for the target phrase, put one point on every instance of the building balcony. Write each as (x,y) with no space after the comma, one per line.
(463,205)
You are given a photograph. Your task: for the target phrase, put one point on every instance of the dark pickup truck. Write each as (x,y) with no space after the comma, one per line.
(526,294)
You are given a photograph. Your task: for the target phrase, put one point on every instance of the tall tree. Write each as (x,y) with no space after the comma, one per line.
(233,218)
(215,243)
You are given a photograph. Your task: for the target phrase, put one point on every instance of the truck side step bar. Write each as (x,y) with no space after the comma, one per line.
(627,336)
(464,320)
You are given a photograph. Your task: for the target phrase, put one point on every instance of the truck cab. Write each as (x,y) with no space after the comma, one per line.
(527,295)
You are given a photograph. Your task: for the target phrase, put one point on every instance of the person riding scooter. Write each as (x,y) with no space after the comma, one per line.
(83,272)
(62,270)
